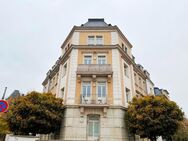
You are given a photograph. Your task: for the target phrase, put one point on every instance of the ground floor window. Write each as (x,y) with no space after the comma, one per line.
(93,126)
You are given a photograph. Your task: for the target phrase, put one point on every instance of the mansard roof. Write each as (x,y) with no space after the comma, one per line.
(95,22)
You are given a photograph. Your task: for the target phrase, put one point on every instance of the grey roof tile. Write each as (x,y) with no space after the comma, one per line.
(97,22)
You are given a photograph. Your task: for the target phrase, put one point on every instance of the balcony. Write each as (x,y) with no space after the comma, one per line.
(94,100)
(94,69)
(140,90)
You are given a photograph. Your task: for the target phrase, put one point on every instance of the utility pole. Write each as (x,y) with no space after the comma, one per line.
(4,93)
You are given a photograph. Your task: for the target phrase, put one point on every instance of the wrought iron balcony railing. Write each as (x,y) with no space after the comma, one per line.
(96,99)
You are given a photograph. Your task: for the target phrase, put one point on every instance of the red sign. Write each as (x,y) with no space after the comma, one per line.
(3,106)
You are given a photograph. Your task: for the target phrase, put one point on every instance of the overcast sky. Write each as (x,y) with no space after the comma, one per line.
(32,31)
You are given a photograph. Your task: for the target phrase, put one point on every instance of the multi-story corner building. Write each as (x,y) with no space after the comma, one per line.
(97,76)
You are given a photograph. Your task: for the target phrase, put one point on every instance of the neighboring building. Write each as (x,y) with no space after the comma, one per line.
(13,95)
(161,92)
(97,76)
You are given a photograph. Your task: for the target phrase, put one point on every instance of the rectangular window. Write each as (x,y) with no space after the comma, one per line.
(86,89)
(62,92)
(87,59)
(125,49)
(99,40)
(128,95)
(101,89)
(140,82)
(91,40)
(64,70)
(93,127)
(102,59)
(122,45)
(135,78)
(144,85)
(53,80)
(126,70)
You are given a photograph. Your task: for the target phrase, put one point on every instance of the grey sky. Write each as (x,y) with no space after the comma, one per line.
(32,31)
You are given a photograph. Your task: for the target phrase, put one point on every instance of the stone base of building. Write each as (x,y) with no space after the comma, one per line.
(111,124)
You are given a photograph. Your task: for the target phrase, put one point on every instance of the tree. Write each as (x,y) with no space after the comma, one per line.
(153,116)
(36,113)
(182,132)
(3,127)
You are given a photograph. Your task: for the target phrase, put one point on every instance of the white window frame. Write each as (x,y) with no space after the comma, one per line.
(126,69)
(104,82)
(90,95)
(99,55)
(84,58)
(93,122)
(128,95)
(97,40)
(89,41)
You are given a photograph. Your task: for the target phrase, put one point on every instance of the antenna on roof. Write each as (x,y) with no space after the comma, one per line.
(4,93)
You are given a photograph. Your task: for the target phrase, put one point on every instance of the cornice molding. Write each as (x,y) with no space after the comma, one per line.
(124,55)
(95,28)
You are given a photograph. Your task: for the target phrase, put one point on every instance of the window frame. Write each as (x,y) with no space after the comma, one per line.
(101,55)
(126,70)
(97,90)
(93,120)
(126,49)
(89,41)
(90,93)
(128,95)
(97,41)
(140,81)
(135,78)
(87,55)
(62,92)
(64,69)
